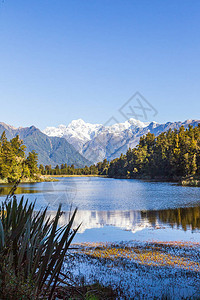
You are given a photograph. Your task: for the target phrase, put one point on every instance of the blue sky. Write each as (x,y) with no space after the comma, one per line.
(62,60)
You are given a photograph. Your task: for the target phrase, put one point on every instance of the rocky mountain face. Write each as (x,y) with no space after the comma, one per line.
(51,150)
(97,142)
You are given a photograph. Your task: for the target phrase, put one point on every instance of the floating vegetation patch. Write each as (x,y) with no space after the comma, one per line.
(160,255)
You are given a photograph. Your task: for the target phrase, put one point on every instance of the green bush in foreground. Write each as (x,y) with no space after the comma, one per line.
(32,250)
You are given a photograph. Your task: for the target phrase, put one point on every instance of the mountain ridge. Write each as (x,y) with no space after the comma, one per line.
(81,143)
(97,142)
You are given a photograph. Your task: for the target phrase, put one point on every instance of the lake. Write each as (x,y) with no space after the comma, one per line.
(113,210)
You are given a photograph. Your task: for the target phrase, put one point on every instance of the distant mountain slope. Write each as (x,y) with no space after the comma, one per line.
(51,150)
(96,142)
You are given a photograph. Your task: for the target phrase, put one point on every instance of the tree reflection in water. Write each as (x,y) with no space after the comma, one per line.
(5,189)
(186,218)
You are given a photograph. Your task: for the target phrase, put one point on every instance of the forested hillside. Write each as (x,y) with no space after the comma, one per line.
(170,155)
(14,164)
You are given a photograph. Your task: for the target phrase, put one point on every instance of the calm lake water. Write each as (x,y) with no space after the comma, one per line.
(120,210)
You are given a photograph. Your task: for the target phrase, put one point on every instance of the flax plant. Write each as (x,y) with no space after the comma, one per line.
(32,250)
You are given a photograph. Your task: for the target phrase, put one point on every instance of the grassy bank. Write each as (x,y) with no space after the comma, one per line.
(32,180)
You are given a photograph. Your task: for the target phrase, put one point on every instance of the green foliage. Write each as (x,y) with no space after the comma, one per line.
(32,250)
(170,155)
(31,162)
(13,163)
(100,168)
(69,170)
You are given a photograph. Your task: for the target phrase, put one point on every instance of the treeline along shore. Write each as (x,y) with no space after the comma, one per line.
(171,156)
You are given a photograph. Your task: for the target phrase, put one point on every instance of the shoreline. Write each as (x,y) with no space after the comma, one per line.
(103,176)
(185,182)
(30,180)
(189,182)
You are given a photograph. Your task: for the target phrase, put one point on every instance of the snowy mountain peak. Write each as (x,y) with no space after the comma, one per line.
(97,142)
(79,133)
(78,122)
(79,126)
(129,124)
(61,126)
(138,123)
(55,131)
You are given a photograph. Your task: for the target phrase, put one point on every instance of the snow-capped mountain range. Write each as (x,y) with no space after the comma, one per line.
(77,132)
(97,142)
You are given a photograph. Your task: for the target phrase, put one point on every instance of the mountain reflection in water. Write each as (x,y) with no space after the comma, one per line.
(112,209)
(183,218)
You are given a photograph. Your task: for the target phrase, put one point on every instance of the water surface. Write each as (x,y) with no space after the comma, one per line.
(120,209)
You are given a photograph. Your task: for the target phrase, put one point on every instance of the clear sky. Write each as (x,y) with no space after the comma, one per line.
(67,59)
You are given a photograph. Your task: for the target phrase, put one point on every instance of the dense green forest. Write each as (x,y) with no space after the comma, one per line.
(172,155)
(14,164)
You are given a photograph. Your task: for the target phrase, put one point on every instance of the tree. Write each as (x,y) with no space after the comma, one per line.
(13,162)
(31,162)
(42,170)
(10,163)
